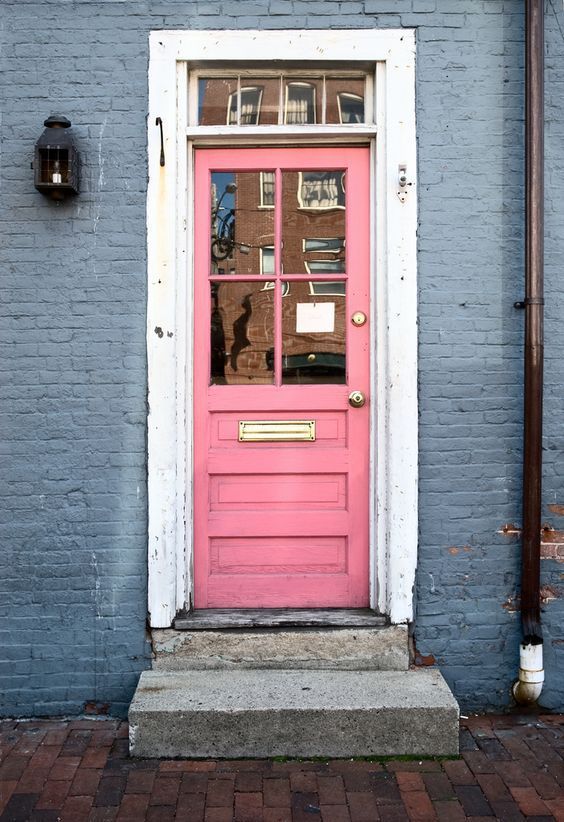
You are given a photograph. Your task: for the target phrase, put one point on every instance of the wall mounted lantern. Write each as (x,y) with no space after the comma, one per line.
(56,162)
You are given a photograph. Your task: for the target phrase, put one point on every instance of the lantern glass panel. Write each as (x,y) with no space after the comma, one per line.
(54,166)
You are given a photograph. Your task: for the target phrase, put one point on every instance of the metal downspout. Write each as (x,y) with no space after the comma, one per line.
(531,673)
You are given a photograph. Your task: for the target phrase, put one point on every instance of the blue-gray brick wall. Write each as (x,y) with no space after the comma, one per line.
(73,399)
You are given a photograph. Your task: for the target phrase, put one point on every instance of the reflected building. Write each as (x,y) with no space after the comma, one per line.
(313,247)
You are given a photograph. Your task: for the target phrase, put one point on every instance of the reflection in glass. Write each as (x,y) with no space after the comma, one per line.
(345,100)
(324,243)
(214,94)
(240,225)
(267,179)
(313,334)
(313,222)
(303,100)
(267,260)
(321,189)
(325,266)
(242,334)
(250,99)
(258,101)
(335,288)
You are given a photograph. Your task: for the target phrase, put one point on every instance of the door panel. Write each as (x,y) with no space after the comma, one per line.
(281,265)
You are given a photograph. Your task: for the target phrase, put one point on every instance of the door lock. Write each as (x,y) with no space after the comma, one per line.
(357,399)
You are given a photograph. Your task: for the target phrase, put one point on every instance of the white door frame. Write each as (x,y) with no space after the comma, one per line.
(394,447)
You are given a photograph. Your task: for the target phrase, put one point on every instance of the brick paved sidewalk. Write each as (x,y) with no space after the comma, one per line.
(510,768)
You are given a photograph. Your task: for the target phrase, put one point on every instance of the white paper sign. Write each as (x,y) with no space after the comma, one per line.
(315,318)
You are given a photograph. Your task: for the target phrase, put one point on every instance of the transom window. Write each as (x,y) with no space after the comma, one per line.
(320,98)
(249,99)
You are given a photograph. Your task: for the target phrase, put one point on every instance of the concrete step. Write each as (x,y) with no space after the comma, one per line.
(299,713)
(384,649)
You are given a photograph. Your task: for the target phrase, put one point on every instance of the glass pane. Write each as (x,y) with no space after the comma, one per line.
(267,189)
(313,333)
(214,97)
(345,100)
(302,101)
(242,221)
(313,222)
(242,333)
(325,266)
(260,101)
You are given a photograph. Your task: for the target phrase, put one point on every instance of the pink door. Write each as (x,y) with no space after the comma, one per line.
(281,452)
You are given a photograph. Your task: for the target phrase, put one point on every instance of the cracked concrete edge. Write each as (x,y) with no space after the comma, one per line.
(332,649)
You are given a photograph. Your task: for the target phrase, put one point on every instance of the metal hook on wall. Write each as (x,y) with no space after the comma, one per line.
(159,122)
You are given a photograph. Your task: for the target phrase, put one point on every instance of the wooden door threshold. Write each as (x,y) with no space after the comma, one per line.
(227,618)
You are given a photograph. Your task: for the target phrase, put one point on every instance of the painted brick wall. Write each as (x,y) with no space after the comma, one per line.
(73,490)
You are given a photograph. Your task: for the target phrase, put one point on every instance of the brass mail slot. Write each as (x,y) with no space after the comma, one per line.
(276,430)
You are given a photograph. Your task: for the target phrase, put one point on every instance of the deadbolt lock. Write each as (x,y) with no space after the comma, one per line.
(357,399)
(358,318)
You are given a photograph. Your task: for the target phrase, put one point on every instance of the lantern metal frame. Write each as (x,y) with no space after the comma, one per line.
(57,161)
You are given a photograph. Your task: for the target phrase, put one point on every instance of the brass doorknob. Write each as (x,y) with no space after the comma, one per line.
(357,399)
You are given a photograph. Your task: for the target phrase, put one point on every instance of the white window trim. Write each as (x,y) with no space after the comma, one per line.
(394,305)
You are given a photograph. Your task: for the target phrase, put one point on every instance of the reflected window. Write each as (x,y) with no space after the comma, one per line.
(241,334)
(314,334)
(324,267)
(251,97)
(267,260)
(239,226)
(351,108)
(267,179)
(278,98)
(324,244)
(321,189)
(330,288)
(300,103)
(213,96)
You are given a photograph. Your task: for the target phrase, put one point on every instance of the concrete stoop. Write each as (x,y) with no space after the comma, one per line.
(349,649)
(255,712)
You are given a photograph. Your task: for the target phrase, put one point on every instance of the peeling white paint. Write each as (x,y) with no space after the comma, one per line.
(394,459)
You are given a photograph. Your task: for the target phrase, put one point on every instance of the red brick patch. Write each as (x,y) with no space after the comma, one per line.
(410,781)
(220,793)
(335,813)
(6,790)
(248,807)
(331,790)
(165,790)
(511,769)
(418,805)
(277,815)
(362,806)
(54,795)
(276,792)
(529,802)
